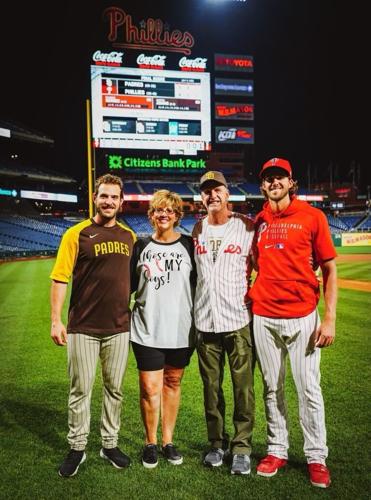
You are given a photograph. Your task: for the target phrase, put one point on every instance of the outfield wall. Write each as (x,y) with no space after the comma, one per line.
(352,239)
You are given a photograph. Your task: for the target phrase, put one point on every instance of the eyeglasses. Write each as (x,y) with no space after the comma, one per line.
(271,178)
(167,211)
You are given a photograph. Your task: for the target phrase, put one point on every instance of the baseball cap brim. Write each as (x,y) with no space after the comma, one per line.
(274,171)
(213,178)
(277,163)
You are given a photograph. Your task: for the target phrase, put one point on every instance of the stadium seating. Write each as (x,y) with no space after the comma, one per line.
(344,223)
(249,189)
(365,225)
(351,220)
(182,188)
(234,189)
(138,223)
(21,235)
(141,226)
(187,223)
(337,225)
(132,188)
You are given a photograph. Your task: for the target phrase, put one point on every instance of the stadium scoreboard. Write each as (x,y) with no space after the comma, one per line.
(149,109)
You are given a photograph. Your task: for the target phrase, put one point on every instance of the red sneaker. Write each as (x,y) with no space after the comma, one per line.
(319,475)
(269,466)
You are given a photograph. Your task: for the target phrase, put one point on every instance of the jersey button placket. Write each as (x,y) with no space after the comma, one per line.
(213,303)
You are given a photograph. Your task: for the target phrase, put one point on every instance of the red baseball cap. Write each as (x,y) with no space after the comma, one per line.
(278,163)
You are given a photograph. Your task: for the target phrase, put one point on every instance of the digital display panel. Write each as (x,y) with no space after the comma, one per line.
(232,62)
(337,204)
(8,192)
(43,195)
(234,111)
(234,135)
(149,109)
(227,86)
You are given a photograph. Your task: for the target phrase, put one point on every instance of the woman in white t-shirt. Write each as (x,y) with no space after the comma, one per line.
(163,277)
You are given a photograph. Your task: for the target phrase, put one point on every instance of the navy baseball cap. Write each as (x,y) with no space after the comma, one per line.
(277,164)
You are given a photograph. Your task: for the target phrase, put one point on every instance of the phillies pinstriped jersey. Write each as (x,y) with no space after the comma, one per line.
(99,259)
(221,303)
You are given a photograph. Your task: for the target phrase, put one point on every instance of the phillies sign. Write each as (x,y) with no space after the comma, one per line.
(150,34)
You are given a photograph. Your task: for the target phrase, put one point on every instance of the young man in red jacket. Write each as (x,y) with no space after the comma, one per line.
(290,236)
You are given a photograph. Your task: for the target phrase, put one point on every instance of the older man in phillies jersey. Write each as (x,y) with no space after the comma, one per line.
(222,246)
(290,236)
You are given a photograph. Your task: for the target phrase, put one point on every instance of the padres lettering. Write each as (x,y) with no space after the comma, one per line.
(111,247)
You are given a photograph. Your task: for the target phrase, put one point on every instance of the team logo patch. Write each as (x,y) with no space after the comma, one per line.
(210,175)
(263,227)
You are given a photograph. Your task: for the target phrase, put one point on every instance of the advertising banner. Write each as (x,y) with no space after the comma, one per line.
(355,239)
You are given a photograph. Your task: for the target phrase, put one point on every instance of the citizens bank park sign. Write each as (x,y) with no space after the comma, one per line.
(119,162)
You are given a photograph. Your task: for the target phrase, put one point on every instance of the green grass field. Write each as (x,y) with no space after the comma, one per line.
(33,420)
(352,250)
(348,270)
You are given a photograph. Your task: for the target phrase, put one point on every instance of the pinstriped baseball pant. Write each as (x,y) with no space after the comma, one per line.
(274,340)
(83,353)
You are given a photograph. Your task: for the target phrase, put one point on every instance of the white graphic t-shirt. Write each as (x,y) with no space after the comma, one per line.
(163,275)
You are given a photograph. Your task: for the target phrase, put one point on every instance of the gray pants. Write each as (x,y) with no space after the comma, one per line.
(83,353)
(211,349)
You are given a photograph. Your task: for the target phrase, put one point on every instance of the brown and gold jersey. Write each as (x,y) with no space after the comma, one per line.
(98,257)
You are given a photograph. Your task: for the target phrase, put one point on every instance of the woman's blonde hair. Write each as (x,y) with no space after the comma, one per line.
(165,198)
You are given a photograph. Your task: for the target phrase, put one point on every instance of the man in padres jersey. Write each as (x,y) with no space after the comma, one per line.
(290,236)
(222,253)
(97,253)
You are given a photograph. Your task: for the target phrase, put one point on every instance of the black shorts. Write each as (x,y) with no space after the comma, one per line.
(154,358)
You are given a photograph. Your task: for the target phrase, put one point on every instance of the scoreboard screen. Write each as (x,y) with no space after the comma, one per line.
(149,109)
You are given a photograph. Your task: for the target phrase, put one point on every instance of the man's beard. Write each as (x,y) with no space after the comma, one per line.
(108,217)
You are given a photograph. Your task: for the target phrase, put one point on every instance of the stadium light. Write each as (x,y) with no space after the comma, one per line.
(225,1)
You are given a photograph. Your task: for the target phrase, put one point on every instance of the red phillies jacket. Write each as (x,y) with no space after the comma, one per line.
(285,245)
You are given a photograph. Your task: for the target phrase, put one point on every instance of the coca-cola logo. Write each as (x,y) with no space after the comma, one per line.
(111,59)
(197,64)
(156,61)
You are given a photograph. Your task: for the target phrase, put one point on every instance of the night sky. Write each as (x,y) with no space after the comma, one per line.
(310,64)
